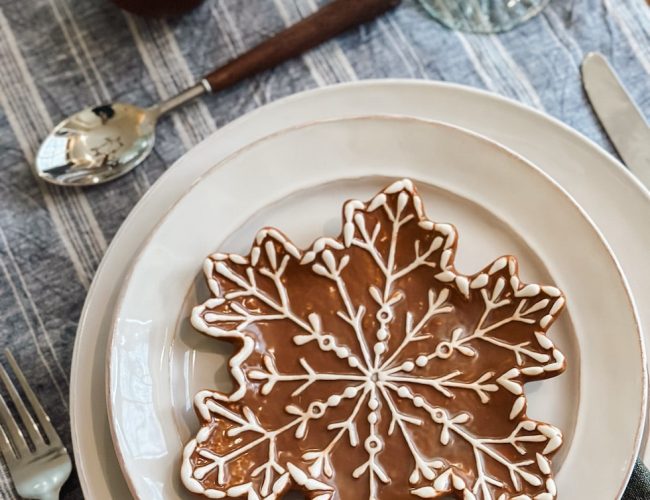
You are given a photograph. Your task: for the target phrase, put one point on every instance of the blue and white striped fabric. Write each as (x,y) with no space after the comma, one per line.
(57,56)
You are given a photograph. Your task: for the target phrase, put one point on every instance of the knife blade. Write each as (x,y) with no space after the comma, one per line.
(619,115)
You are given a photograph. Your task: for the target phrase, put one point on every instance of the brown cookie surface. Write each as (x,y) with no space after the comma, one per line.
(368,367)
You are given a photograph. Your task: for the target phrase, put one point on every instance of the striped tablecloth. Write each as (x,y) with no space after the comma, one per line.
(57,56)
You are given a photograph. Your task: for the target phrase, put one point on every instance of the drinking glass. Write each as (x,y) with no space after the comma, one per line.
(483,16)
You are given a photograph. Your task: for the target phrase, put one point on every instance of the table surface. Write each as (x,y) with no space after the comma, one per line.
(57,56)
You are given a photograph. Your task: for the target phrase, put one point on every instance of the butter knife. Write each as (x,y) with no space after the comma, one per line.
(620,117)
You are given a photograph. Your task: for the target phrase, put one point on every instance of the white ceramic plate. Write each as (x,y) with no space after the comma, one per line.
(615,201)
(297,180)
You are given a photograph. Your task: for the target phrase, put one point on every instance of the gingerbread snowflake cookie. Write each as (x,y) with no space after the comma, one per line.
(368,367)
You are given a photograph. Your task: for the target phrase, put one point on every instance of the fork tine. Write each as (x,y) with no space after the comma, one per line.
(42,417)
(28,421)
(5,447)
(15,435)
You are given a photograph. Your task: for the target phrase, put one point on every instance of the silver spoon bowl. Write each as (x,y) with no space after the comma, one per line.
(102,143)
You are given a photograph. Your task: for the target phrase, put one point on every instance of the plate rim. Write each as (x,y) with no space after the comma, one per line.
(90,462)
(112,337)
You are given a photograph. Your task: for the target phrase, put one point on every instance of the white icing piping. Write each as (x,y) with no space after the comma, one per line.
(375,376)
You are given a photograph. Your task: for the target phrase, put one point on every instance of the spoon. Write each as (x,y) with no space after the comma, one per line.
(102,143)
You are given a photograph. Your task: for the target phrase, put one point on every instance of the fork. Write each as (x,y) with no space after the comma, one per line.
(39,472)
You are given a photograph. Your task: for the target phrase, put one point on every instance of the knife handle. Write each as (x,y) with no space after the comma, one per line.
(326,23)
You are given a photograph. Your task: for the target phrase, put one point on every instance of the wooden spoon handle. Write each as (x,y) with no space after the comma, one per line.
(324,24)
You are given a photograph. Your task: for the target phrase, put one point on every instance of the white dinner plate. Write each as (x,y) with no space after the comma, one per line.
(614,200)
(297,180)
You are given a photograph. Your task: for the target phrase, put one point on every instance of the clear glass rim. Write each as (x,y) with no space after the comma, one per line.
(485,28)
